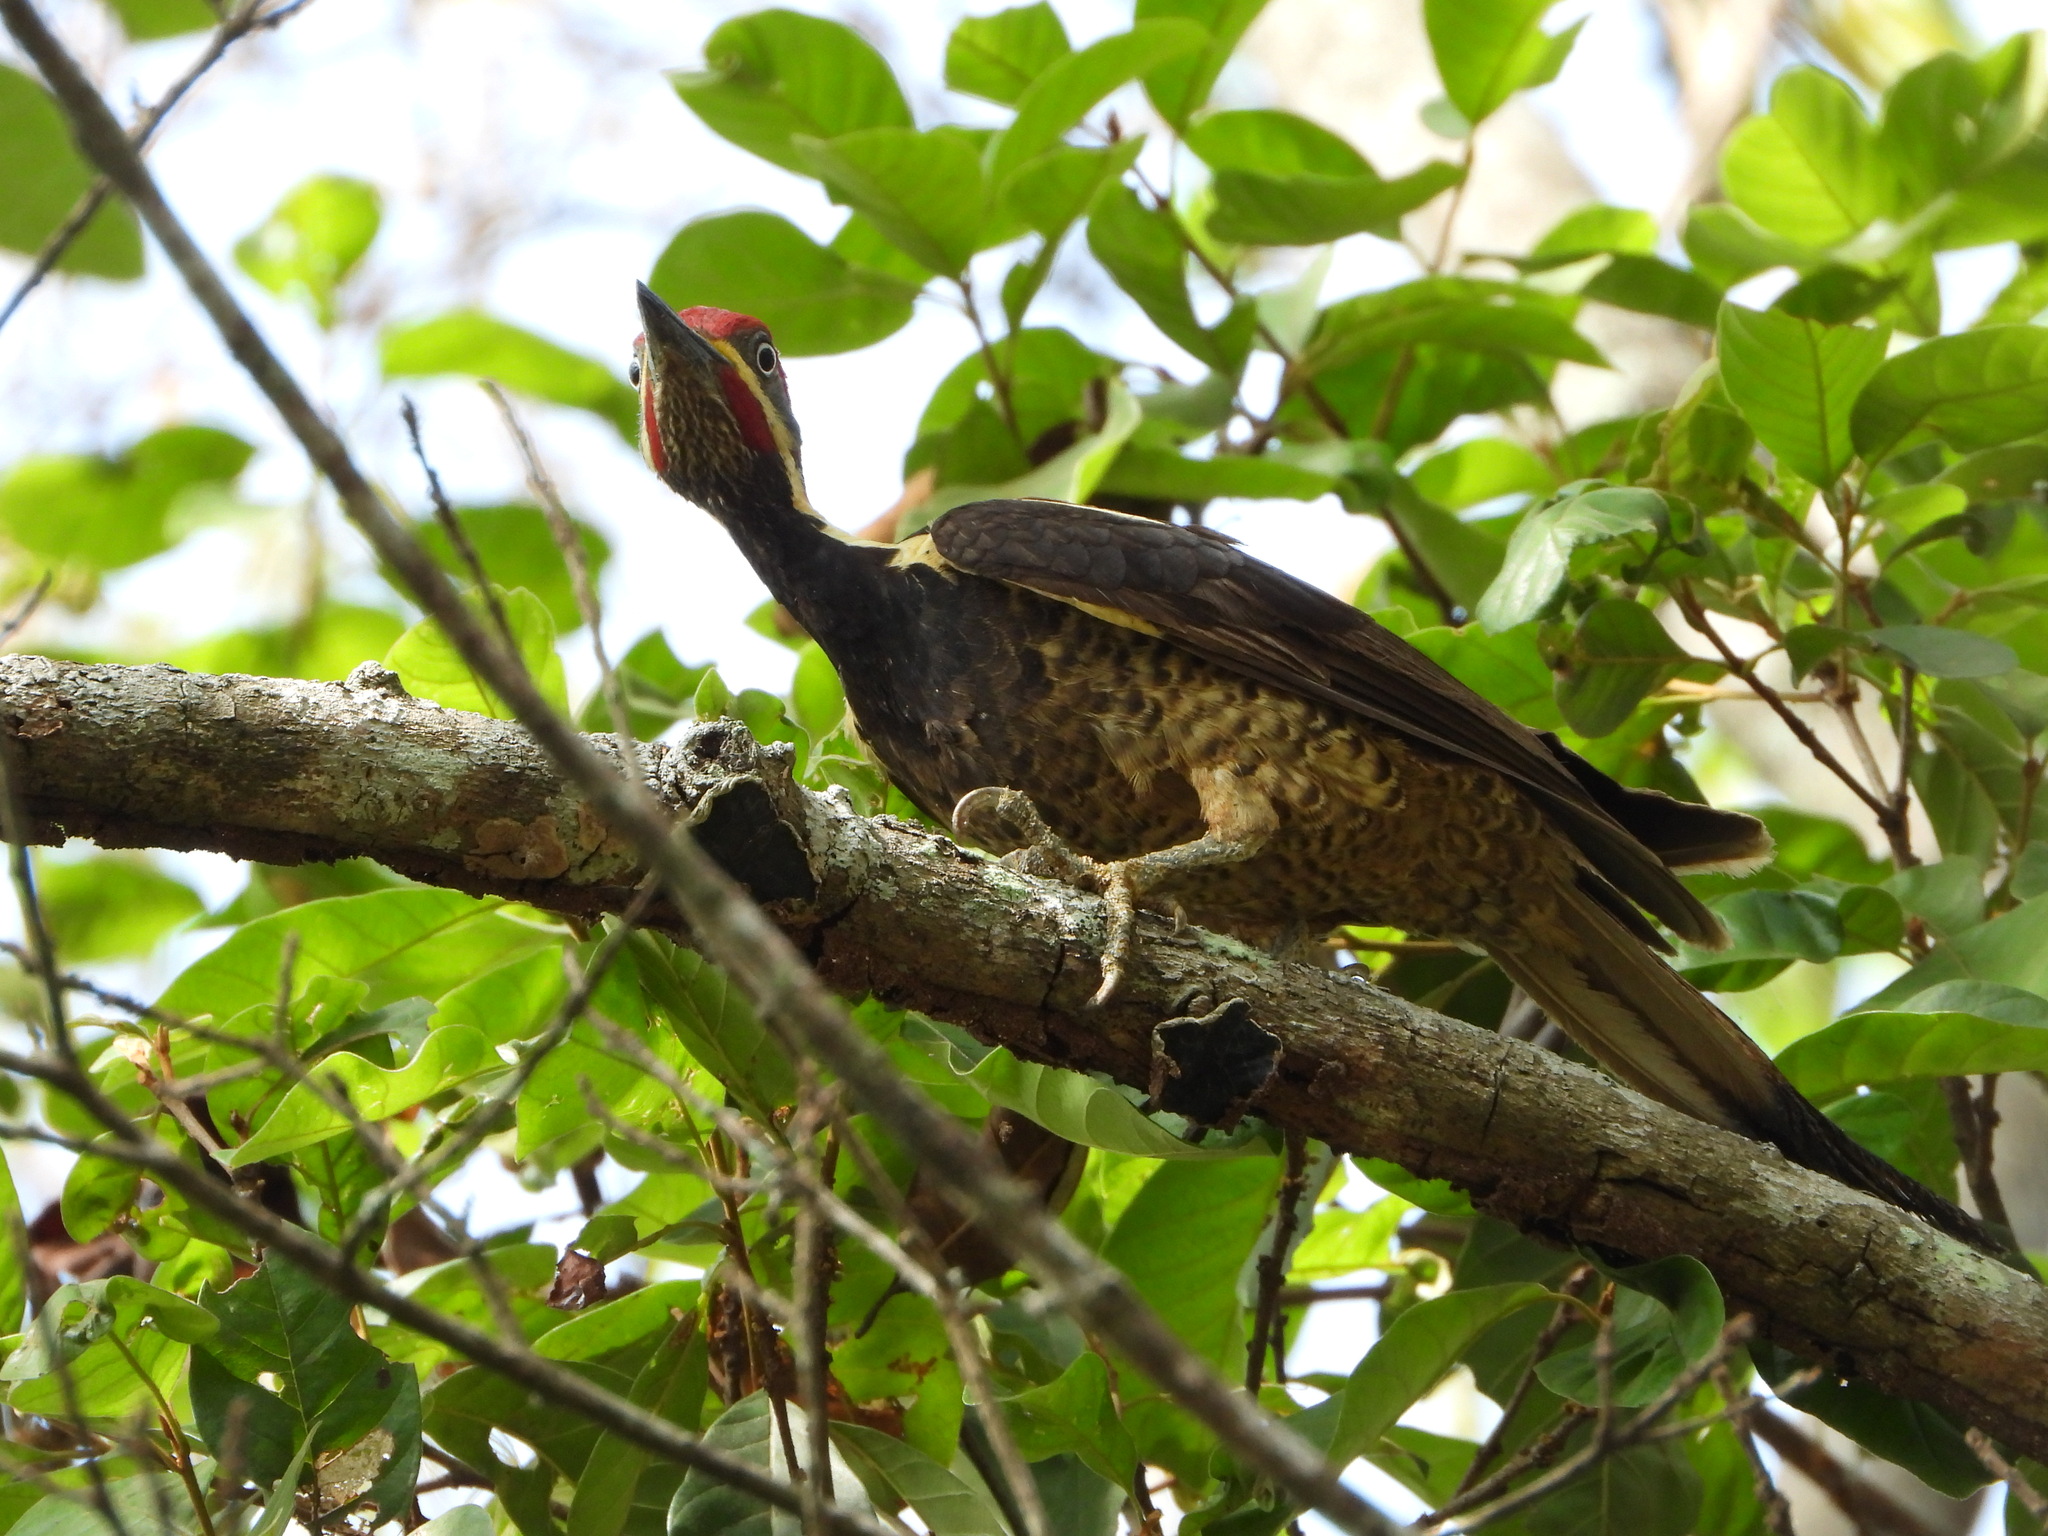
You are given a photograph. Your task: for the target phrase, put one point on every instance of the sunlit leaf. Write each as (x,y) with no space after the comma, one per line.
(775,76)
(1795,382)
(430,666)
(1973,391)
(997,57)
(481,346)
(760,264)
(1539,553)
(1486,50)
(312,240)
(43,176)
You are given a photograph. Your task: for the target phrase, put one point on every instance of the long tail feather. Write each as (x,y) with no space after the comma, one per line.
(1657,1033)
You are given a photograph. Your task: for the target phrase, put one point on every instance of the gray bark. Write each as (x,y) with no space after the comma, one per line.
(286,771)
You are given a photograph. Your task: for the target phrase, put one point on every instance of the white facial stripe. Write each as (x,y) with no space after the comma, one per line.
(772,414)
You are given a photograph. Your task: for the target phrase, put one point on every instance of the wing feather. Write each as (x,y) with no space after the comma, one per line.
(1196,588)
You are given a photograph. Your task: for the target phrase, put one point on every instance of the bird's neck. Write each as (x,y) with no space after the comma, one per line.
(815,571)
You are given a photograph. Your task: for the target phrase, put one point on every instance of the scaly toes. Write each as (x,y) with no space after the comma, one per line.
(1006,823)
(1121,909)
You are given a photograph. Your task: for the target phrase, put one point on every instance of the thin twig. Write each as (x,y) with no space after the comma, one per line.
(1272,1263)
(570,543)
(250,18)
(458,536)
(1608,1438)
(1743,1407)
(1696,616)
(507,1357)
(2016,1485)
(1561,1320)
(422,1172)
(1973,1118)
(1866,1504)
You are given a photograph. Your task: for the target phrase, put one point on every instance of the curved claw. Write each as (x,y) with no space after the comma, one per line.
(1120,902)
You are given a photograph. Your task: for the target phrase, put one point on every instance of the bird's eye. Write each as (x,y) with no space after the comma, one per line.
(764,357)
(633,373)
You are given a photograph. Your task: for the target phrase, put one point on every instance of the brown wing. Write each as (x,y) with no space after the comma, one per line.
(1196,588)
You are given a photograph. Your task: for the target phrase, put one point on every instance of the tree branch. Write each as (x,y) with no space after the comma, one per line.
(286,770)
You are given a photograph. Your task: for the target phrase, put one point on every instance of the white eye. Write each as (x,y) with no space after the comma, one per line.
(764,357)
(633,373)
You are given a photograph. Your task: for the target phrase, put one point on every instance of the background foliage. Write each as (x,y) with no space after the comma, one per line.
(1842,517)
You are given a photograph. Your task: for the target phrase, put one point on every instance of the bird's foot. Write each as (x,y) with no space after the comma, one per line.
(1006,823)
(1120,905)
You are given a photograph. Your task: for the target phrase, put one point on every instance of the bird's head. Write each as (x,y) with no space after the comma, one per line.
(715,422)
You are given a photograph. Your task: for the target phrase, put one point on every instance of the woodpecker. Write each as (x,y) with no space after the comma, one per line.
(1147,710)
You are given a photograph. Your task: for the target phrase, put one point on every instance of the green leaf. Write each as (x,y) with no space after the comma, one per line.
(1648,1490)
(136,1503)
(1168,476)
(715,1024)
(312,240)
(408,942)
(1144,252)
(330,644)
(1920,1438)
(1954,1030)
(1486,50)
(1972,391)
(1618,654)
(997,57)
(1052,190)
(1539,553)
(302,1117)
(703,1506)
(282,1324)
(659,688)
(776,76)
(107,905)
(760,264)
(1507,668)
(1767,931)
(1411,1357)
(1810,169)
(1596,229)
(815,695)
(1070,87)
(13,1278)
(1342,1242)
(481,346)
(1667,1315)
(1796,382)
(1254,209)
(946,1505)
(1651,286)
(1180,87)
(1075,1413)
(106,513)
(43,176)
(427,662)
(1453,312)
(518,549)
(1945,652)
(1282,180)
(1726,245)
(924,191)
(1485,469)
(671,1385)
(1072,1105)
(1182,1241)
